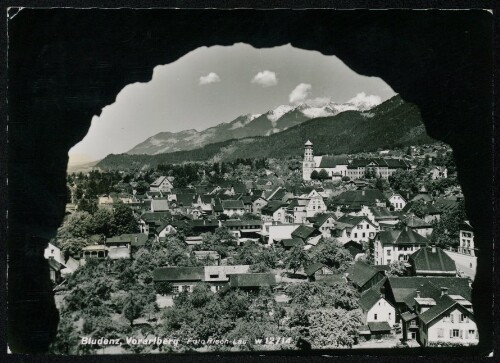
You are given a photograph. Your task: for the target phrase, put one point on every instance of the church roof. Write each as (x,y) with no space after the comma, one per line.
(332,161)
(308,143)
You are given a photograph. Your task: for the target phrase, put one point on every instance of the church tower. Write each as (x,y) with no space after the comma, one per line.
(308,164)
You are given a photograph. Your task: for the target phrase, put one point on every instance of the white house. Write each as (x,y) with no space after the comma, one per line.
(233,207)
(465,255)
(449,320)
(376,308)
(273,232)
(161,184)
(396,245)
(274,211)
(354,228)
(397,201)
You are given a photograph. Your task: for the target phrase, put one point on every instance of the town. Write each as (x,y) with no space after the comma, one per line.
(370,250)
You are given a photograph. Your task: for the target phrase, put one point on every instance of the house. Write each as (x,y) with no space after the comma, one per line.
(363,276)
(120,246)
(207,257)
(414,296)
(397,201)
(53,251)
(449,320)
(163,230)
(161,184)
(159,205)
(199,226)
(181,278)
(465,255)
(149,221)
(354,200)
(257,204)
(274,211)
(273,232)
(233,207)
(438,172)
(217,277)
(184,200)
(252,281)
(381,217)
(354,248)
(418,225)
(93,251)
(429,212)
(324,223)
(376,308)
(289,243)
(244,229)
(309,235)
(378,167)
(316,271)
(432,261)
(396,245)
(55,268)
(354,228)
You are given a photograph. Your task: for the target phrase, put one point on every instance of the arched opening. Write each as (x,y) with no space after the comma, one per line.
(66,65)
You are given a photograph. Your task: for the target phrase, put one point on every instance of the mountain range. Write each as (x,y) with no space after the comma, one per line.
(273,121)
(394,123)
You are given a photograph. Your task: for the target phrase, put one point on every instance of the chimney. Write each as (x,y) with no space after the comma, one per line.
(418,293)
(444,291)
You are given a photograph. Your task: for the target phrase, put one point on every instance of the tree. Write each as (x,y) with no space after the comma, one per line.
(249,217)
(446,232)
(295,258)
(102,223)
(164,287)
(124,220)
(397,268)
(72,246)
(404,180)
(419,208)
(132,309)
(79,224)
(379,184)
(323,174)
(332,254)
(346,178)
(334,327)
(141,187)
(314,175)
(87,204)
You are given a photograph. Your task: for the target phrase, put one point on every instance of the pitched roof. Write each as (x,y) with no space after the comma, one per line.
(313,268)
(272,207)
(320,219)
(158,181)
(353,220)
(405,236)
(233,204)
(443,304)
(291,242)
(382,213)
(185,199)
(304,232)
(252,280)
(428,260)
(404,288)
(379,326)
(159,205)
(446,204)
(466,226)
(356,198)
(370,298)
(413,221)
(381,162)
(135,239)
(242,223)
(332,161)
(178,274)
(360,273)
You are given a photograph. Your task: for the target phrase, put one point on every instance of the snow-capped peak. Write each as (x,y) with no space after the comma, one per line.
(278,112)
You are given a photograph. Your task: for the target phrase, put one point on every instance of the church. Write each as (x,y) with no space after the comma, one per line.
(335,166)
(339,166)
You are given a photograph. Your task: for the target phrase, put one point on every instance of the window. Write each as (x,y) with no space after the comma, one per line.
(371,234)
(463,318)
(390,315)
(388,252)
(454,333)
(175,289)
(374,316)
(360,226)
(472,333)
(364,234)
(214,276)
(440,333)
(355,235)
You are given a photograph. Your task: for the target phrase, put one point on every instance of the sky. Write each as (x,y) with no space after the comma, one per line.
(211,85)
